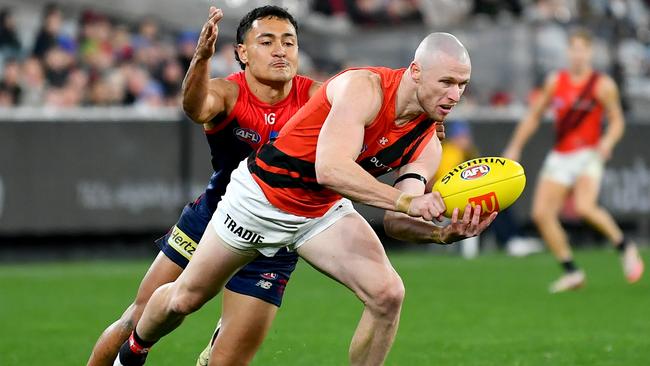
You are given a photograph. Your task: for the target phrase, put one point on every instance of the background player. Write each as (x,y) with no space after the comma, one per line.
(579,96)
(239,114)
(364,122)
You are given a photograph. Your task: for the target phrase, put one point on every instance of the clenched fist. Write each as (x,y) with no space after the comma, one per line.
(428,206)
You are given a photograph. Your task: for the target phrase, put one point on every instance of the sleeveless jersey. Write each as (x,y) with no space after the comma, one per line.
(285,169)
(250,124)
(578,114)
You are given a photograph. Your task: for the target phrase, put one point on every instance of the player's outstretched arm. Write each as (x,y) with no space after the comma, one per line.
(608,96)
(204,98)
(527,127)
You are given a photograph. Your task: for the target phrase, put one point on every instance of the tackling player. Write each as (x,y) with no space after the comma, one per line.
(239,114)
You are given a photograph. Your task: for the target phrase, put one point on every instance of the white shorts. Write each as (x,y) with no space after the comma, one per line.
(249,223)
(566,168)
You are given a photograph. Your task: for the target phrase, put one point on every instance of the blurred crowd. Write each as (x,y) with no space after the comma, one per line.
(90,58)
(102,63)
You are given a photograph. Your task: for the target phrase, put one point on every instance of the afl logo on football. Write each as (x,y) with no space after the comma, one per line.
(475,172)
(245,134)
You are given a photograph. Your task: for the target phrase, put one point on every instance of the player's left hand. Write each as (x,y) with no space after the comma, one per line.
(471,224)
(440,131)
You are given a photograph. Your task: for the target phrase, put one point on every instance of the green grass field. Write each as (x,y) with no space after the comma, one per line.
(490,311)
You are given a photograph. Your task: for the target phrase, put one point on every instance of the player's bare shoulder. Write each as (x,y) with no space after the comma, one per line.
(551,81)
(224,94)
(315,85)
(606,88)
(358,86)
(226,90)
(361,77)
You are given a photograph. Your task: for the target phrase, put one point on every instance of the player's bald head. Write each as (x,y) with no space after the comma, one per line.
(440,44)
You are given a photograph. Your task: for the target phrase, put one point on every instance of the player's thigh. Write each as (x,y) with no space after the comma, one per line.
(163,270)
(350,252)
(549,197)
(211,266)
(586,191)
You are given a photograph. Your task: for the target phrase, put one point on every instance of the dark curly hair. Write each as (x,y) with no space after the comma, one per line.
(259,13)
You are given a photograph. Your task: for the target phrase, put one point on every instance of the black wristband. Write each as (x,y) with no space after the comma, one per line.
(411,175)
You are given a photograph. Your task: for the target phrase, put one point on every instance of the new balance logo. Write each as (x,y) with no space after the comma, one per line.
(264,284)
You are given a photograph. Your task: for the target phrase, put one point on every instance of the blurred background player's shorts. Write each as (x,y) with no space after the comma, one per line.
(566,168)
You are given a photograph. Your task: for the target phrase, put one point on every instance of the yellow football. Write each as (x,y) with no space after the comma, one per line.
(492,182)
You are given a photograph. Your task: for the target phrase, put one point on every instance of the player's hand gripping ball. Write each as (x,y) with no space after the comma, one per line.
(492,182)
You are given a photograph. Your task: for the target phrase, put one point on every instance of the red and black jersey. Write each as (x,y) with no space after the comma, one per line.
(578,114)
(285,169)
(250,124)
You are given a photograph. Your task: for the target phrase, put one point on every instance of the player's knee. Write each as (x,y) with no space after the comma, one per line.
(219,356)
(185,302)
(386,300)
(540,215)
(131,316)
(584,209)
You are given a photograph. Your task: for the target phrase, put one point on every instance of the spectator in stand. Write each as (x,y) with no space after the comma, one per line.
(369,12)
(48,35)
(185,48)
(10,83)
(9,42)
(6,100)
(57,65)
(171,79)
(96,51)
(494,8)
(32,83)
(148,32)
(122,44)
(140,87)
(223,64)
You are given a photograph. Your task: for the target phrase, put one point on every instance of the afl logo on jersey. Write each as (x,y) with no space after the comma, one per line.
(245,134)
(475,172)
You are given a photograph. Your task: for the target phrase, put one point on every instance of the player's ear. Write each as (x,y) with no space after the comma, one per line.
(416,71)
(242,52)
